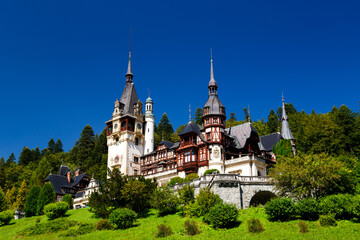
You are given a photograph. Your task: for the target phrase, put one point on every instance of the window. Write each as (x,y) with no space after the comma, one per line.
(117,141)
(187,157)
(207,121)
(136,141)
(135,172)
(193,156)
(136,159)
(215,120)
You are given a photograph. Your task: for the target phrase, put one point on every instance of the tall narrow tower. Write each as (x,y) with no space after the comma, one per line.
(125,134)
(214,124)
(285,128)
(149,126)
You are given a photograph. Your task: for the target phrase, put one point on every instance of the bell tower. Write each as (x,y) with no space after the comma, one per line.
(125,132)
(149,126)
(214,124)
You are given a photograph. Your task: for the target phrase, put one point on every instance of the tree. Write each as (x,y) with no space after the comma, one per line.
(25,157)
(247,115)
(289,108)
(58,146)
(315,176)
(272,122)
(232,117)
(3,206)
(51,146)
(261,128)
(21,197)
(46,196)
(98,164)
(164,129)
(81,154)
(137,195)
(198,116)
(11,198)
(283,148)
(69,200)
(11,160)
(31,201)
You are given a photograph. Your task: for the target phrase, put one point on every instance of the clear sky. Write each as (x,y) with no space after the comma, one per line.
(62,63)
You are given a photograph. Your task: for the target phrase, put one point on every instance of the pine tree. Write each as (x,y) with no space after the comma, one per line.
(272,122)
(58,146)
(51,146)
(25,157)
(11,198)
(31,201)
(21,197)
(164,128)
(46,196)
(11,160)
(198,116)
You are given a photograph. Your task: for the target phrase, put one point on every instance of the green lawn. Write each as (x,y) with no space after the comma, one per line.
(146,228)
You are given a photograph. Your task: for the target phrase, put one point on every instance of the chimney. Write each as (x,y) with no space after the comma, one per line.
(68,176)
(77,172)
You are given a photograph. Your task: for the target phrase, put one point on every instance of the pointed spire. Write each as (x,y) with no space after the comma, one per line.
(249,120)
(285,128)
(129,74)
(212,78)
(189,113)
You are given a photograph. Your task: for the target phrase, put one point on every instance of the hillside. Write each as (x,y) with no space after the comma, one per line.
(146,228)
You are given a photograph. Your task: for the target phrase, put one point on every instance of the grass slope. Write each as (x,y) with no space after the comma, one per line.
(146,228)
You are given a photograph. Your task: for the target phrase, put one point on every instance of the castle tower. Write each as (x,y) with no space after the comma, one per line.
(285,128)
(125,134)
(149,126)
(214,125)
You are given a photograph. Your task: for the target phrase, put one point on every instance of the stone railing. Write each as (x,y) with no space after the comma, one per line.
(210,179)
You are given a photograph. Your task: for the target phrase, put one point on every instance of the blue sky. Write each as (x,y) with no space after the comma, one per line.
(62,63)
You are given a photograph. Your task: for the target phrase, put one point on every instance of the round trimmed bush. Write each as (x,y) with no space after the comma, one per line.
(69,200)
(164,231)
(56,210)
(103,224)
(222,215)
(6,216)
(122,218)
(280,209)
(307,209)
(255,226)
(175,180)
(327,220)
(339,205)
(191,177)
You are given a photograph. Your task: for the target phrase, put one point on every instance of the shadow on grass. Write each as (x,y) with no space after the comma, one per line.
(234,225)
(146,213)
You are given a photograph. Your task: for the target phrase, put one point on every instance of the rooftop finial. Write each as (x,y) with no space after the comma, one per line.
(282,95)
(212,67)
(249,113)
(189,113)
(129,72)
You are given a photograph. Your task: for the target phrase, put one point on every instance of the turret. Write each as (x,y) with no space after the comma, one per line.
(285,128)
(149,126)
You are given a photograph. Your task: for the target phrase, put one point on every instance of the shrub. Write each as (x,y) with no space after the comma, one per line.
(6,216)
(48,227)
(191,177)
(338,205)
(280,209)
(255,226)
(261,198)
(83,228)
(186,194)
(175,180)
(31,201)
(191,228)
(69,200)
(122,218)
(355,206)
(137,194)
(165,201)
(163,231)
(56,210)
(103,224)
(37,220)
(46,196)
(307,209)
(211,171)
(303,227)
(203,202)
(222,215)
(327,220)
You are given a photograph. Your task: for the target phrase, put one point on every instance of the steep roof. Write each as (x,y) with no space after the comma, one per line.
(166,143)
(241,132)
(58,182)
(285,128)
(268,141)
(129,98)
(214,105)
(63,170)
(190,127)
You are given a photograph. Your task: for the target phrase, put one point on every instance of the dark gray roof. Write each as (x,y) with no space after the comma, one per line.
(190,127)
(79,194)
(167,144)
(241,132)
(268,141)
(175,145)
(63,170)
(129,98)
(214,105)
(58,182)
(77,179)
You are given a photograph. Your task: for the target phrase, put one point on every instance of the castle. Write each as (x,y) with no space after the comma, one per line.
(237,150)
